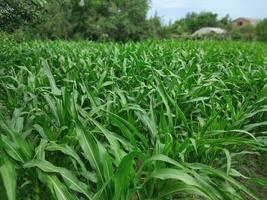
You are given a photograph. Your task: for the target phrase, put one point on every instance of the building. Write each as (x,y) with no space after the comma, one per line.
(241,21)
(209,31)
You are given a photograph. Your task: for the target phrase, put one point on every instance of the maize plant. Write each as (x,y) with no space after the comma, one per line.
(150,120)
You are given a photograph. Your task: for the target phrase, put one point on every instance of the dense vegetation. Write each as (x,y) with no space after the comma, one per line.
(152,120)
(106,20)
(103,20)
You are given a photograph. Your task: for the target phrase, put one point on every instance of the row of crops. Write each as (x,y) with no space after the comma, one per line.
(150,120)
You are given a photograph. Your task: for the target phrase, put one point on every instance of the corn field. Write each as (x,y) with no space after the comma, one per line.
(135,121)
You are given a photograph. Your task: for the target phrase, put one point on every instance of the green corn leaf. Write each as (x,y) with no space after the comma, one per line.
(50,77)
(57,188)
(9,177)
(70,179)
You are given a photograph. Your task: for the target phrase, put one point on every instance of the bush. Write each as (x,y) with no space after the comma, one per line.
(19,35)
(261,30)
(4,36)
(245,33)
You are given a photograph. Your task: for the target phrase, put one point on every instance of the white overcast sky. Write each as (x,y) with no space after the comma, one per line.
(171,10)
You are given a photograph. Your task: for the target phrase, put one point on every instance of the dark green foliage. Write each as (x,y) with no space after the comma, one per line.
(194,21)
(155,28)
(261,30)
(245,33)
(224,22)
(105,20)
(93,20)
(14,13)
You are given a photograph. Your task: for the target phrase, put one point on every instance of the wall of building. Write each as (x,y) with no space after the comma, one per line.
(240,22)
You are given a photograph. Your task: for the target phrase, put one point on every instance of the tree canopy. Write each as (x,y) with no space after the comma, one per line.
(119,20)
(104,20)
(14,13)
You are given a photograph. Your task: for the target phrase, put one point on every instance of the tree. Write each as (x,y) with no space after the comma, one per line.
(196,21)
(119,20)
(225,22)
(107,19)
(56,21)
(155,28)
(180,27)
(14,13)
(130,19)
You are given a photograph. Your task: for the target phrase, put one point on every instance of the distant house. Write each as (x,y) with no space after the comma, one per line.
(241,21)
(209,31)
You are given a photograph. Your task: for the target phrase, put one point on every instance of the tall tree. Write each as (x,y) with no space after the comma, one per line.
(14,13)
(119,20)
(195,21)
(130,19)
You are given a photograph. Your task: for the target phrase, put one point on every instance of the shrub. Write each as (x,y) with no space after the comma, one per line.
(245,33)
(261,30)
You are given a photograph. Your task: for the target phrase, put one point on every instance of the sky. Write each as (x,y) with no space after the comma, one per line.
(171,10)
